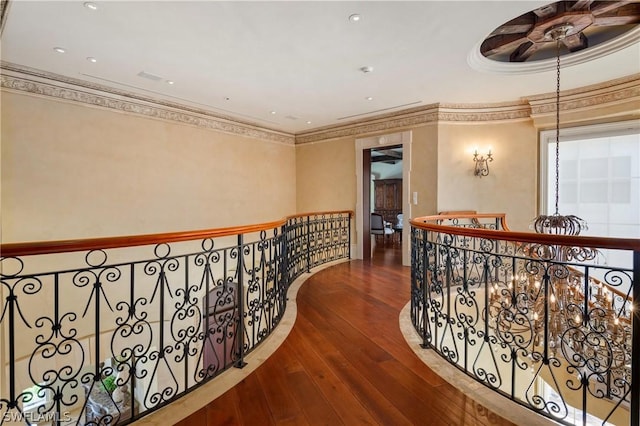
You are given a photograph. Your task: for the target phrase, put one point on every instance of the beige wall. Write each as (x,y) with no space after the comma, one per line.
(326,173)
(441,171)
(510,187)
(72,171)
(326,176)
(424,170)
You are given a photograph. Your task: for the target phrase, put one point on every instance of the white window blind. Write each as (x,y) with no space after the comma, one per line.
(599,180)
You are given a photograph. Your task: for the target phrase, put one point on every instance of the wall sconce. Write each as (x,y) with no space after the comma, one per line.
(482,163)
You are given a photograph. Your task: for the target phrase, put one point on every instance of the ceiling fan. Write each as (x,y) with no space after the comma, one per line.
(589,23)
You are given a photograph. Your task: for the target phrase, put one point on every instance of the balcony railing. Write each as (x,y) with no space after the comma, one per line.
(561,338)
(105,331)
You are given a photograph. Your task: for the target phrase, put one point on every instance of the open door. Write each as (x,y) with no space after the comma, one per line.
(366,204)
(364,148)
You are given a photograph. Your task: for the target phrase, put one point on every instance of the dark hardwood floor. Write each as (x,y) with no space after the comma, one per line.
(346,362)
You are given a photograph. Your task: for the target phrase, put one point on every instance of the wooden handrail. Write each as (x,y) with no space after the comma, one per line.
(65,246)
(426,222)
(525,237)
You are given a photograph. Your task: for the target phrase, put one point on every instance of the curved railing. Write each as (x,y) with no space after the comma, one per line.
(561,338)
(105,331)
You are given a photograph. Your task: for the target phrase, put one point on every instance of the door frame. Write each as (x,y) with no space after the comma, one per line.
(364,184)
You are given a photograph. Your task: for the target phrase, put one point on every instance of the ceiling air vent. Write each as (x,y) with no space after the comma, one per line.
(150,76)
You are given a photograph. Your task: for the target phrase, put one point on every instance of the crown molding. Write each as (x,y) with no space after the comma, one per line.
(28,80)
(24,79)
(610,93)
(485,113)
(420,116)
(382,123)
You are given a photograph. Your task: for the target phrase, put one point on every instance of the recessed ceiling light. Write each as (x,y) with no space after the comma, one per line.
(369,98)
(92,59)
(170,82)
(90,5)
(60,49)
(273,113)
(308,122)
(354,18)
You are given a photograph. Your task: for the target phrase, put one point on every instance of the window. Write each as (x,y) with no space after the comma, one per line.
(599,180)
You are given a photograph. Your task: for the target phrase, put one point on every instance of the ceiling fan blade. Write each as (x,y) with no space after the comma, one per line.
(524,51)
(502,44)
(576,42)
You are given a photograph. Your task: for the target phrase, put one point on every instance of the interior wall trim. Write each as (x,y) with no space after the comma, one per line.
(29,80)
(386,123)
(409,118)
(19,78)
(519,110)
(610,93)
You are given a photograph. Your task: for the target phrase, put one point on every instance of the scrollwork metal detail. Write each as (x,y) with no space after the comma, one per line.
(109,342)
(542,324)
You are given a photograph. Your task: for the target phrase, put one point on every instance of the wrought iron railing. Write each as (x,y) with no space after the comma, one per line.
(560,338)
(105,331)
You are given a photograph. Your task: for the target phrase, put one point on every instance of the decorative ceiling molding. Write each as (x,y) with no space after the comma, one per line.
(485,113)
(434,113)
(622,90)
(24,79)
(383,123)
(477,61)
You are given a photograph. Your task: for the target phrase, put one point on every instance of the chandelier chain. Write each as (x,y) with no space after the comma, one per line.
(557,123)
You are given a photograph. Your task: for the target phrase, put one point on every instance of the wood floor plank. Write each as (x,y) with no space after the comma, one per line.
(346,362)
(280,398)
(341,396)
(355,378)
(253,405)
(195,419)
(225,412)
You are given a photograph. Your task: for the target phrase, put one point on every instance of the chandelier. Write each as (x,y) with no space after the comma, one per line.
(557,223)
(561,314)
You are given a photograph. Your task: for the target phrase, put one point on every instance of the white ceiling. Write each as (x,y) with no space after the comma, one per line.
(300,59)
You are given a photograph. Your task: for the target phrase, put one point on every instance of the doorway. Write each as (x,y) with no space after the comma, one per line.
(381,148)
